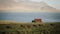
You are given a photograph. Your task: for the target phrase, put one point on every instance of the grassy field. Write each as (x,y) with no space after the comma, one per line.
(29,28)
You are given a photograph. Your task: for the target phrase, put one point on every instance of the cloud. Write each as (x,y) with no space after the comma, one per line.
(25,5)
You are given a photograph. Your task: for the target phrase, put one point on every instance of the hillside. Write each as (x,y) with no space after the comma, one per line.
(30,28)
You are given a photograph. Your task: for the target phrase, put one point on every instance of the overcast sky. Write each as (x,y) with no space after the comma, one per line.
(53,3)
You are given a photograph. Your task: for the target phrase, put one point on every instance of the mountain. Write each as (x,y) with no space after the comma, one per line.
(26,6)
(7,3)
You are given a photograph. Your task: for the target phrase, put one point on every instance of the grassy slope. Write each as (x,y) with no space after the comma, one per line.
(36,28)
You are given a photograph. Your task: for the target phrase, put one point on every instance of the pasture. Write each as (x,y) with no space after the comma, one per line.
(29,28)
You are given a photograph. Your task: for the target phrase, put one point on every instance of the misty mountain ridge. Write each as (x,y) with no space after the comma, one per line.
(27,5)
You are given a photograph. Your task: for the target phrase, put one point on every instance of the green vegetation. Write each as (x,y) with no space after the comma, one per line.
(30,28)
